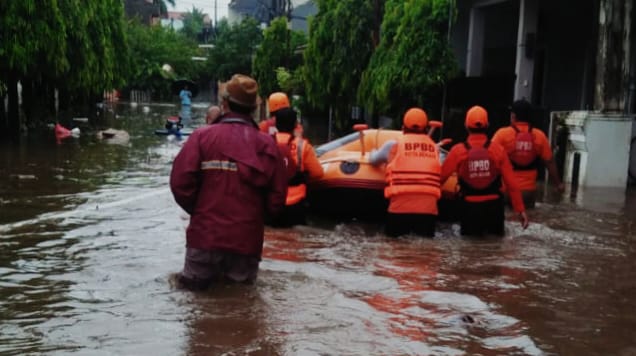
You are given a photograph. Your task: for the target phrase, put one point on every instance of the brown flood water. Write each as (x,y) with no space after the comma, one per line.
(89,236)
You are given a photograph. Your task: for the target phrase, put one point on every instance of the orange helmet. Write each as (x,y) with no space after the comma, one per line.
(277,101)
(415,119)
(476,118)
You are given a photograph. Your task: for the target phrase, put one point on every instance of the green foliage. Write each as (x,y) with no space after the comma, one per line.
(234,49)
(76,46)
(163,8)
(273,52)
(32,37)
(151,48)
(290,82)
(193,23)
(339,48)
(276,52)
(413,58)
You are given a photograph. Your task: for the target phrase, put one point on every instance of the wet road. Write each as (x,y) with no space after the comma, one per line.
(89,236)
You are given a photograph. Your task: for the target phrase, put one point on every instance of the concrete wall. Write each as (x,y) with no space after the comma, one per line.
(500,38)
(562,55)
(566,37)
(608,139)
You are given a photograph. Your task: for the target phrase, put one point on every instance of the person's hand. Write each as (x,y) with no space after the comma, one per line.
(523,217)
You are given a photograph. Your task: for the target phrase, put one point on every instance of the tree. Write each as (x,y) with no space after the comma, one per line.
(276,51)
(37,48)
(151,48)
(163,8)
(233,48)
(193,23)
(340,45)
(414,58)
(291,82)
(78,47)
(97,50)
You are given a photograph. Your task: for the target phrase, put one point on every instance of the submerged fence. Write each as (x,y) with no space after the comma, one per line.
(140,96)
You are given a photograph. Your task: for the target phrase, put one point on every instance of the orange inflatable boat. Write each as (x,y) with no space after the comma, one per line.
(352,186)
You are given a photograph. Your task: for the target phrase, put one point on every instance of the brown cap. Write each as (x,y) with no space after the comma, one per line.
(242,90)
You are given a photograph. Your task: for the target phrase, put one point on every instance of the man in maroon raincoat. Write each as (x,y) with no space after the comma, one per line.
(228,176)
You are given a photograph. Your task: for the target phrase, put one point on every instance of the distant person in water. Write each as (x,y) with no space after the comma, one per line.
(186,101)
(213,113)
(173,124)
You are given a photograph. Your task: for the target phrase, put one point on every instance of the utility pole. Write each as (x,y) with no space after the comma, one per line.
(378,9)
(287,12)
(273,10)
(451,7)
(215,19)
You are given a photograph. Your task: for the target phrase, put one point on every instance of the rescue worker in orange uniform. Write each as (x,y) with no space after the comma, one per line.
(527,147)
(276,101)
(412,176)
(302,164)
(481,165)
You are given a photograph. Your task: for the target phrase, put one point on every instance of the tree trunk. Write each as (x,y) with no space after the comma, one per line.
(35,103)
(613,55)
(64,99)
(50,98)
(4,132)
(28,99)
(14,109)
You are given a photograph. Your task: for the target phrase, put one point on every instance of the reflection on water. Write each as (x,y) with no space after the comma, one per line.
(90,235)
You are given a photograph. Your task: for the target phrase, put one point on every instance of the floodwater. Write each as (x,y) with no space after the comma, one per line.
(90,235)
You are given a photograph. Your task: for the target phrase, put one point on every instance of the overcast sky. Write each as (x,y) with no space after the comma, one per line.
(206,5)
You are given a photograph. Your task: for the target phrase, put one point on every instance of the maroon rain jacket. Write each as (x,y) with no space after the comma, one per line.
(227,177)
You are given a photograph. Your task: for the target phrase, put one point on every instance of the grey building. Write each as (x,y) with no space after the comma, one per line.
(573,59)
(146,10)
(266,10)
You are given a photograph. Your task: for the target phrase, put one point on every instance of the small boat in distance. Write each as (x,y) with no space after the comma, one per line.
(173,126)
(176,132)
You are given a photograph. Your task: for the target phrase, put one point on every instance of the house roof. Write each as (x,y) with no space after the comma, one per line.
(175,15)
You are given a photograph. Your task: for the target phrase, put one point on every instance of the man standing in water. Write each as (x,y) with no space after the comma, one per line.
(276,102)
(481,167)
(186,112)
(227,176)
(412,175)
(527,147)
(302,164)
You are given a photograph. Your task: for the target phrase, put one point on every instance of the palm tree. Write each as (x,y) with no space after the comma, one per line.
(163,8)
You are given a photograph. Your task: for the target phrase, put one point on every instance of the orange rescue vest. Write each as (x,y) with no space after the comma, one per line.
(294,146)
(415,167)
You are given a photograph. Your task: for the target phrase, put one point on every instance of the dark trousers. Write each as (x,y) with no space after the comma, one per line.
(403,224)
(203,268)
(478,219)
(290,216)
(529,198)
